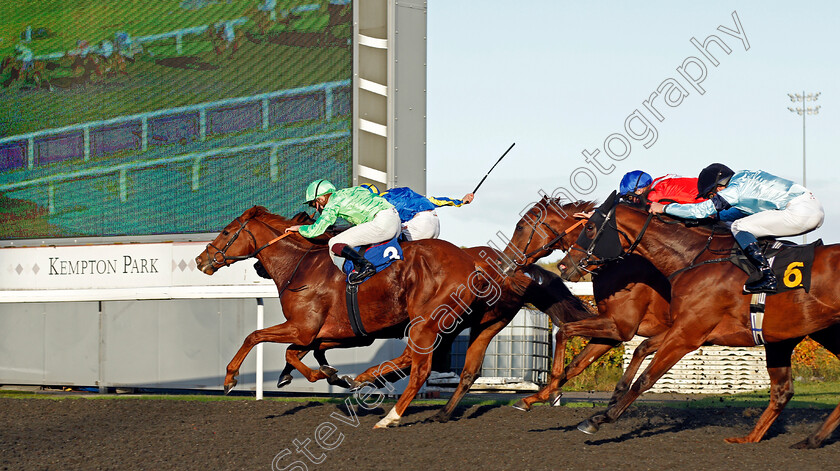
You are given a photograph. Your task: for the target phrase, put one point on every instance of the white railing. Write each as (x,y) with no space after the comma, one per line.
(196,157)
(201,109)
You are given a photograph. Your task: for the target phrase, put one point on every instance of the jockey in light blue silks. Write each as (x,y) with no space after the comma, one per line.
(774,207)
(417,212)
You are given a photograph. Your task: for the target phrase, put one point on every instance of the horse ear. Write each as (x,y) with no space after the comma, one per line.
(608,203)
(256,211)
(301,217)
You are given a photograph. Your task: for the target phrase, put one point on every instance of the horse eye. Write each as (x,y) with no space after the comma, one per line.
(225,232)
(518,227)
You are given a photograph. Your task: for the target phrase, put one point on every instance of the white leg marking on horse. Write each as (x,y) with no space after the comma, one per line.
(390,420)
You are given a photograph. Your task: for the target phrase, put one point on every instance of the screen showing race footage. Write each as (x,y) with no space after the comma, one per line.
(137,117)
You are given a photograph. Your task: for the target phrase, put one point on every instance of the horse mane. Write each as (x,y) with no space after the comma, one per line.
(567,209)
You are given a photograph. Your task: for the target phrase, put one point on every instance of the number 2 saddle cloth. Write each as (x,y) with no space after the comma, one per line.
(380,255)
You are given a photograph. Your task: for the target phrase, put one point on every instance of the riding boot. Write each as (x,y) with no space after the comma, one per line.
(767,282)
(362,266)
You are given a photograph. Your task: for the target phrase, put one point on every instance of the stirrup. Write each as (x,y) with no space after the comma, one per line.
(765,284)
(359,276)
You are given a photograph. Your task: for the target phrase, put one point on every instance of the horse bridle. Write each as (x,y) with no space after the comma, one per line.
(590,251)
(220,258)
(558,236)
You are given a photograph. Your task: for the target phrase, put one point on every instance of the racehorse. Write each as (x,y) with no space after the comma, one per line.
(543,289)
(708,306)
(423,296)
(631,296)
(35,73)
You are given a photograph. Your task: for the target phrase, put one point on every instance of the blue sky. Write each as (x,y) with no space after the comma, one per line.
(560,77)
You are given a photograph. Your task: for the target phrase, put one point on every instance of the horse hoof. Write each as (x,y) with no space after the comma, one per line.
(587,427)
(328,370)
(554,398)
(805,445)
(345,382)
(522,405)
(284,380)
(354,385)
(384,424)
(229,386)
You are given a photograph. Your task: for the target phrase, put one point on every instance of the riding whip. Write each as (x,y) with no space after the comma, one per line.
(494,166)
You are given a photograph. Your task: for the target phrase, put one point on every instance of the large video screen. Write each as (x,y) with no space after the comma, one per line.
(137,117)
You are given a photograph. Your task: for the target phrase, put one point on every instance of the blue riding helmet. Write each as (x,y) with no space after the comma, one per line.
(631,181)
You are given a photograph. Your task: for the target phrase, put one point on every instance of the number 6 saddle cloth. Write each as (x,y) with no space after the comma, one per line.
(791,263)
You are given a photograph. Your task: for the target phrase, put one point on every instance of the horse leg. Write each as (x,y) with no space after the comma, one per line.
(646,348)
(781,388)
(421,368)
(830,339)
(472,364)
(281,333)
(668,356)
(602,327)
(294,355)
(375,374)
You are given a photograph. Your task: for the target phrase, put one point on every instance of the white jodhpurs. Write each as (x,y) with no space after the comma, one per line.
(803,214)
(424,225)
(384,226)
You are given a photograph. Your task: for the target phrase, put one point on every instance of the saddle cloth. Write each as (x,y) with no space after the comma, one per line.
(791,263)
(380,255)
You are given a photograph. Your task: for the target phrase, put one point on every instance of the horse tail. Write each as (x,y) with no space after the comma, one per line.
(548,293)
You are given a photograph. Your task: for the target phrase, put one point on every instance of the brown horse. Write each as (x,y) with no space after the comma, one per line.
(709,308)
(36,73)
(631,296)
(542,289)
(423,296)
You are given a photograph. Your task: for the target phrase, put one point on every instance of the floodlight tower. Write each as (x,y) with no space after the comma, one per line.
(803,111)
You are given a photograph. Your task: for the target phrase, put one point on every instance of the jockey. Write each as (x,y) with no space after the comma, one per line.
(270,9)
(774,207)
(25,55)
(106,48)
(417,212)
(375,220)
(638,185)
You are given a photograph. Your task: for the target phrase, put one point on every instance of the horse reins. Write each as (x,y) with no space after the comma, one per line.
(557,238)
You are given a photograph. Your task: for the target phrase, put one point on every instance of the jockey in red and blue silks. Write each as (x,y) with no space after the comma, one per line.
(774,207)
(665,189)
(417,212)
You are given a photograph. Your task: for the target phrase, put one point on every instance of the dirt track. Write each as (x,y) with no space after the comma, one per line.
(168,434)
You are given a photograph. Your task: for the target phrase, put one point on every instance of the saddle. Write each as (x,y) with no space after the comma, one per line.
(381,256)
(790,262)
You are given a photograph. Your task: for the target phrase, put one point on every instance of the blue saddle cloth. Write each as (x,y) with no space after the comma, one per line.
(380,255)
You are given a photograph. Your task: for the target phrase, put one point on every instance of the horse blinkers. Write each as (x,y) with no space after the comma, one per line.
(600,235)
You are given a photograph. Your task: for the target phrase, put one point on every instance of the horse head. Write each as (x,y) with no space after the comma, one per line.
(617,230)
(243,238)
(545,227)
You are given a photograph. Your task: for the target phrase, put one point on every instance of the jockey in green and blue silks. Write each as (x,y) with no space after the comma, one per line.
(417,212)
(774,207)
(375,220)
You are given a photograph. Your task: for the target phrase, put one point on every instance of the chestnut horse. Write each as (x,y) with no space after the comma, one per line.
(631,296)
(709,308)
(423,296)
(542,289)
